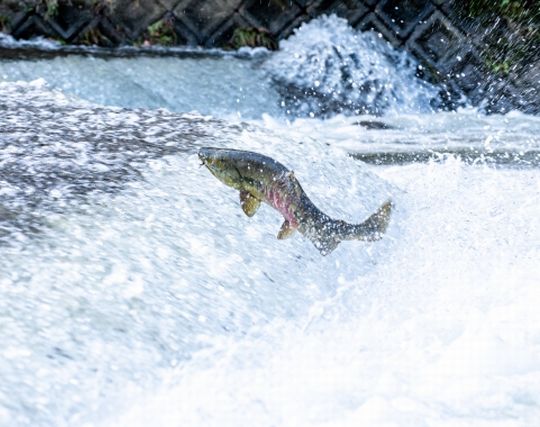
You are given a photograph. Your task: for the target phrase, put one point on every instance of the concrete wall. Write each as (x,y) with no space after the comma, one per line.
(450,46)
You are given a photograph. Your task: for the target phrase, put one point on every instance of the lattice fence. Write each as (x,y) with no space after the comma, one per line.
(432,30)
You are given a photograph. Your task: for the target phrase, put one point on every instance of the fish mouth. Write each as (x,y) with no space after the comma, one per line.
(205,155)
(209,158)
(219,167)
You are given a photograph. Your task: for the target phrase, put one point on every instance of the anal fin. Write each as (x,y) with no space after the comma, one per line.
(249,203)
(286,230)
(325,246)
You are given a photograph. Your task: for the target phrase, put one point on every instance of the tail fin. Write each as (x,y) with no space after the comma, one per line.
(374,227)
(370,230)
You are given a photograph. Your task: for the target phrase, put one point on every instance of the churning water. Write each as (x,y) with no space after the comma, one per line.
(136,292)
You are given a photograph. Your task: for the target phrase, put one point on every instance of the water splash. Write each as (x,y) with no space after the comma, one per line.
(142,257)
(157,283)
(228,85)
(443,330)
(327,67)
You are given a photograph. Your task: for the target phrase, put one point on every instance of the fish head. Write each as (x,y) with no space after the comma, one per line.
(243,170)
(222,166)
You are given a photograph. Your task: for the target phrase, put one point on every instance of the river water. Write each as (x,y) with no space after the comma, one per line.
(136,292)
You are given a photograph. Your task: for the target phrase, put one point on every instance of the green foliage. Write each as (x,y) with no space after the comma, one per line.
(160,33)
(499,67)
(513,32)
(515,10)
(4,24)
(51,8)
(252,37)
(93,37)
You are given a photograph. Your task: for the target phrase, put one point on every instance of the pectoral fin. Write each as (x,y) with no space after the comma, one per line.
(286,230)
(249,203)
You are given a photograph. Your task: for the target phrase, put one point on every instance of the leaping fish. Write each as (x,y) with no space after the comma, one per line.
(260,178)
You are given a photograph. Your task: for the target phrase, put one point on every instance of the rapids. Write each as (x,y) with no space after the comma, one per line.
(136,292)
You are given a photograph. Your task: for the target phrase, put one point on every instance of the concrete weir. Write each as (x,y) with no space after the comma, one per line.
(453,47)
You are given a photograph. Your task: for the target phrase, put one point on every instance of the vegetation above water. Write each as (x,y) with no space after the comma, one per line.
(511,35)
(252,37)
(160,33)
(4,24)
(517,10)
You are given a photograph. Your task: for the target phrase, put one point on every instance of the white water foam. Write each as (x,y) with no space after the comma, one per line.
(225,85)
(328,67)
(443,331)
(161,304)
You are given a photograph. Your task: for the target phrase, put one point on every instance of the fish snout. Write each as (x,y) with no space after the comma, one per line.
(204,156)
(208,155)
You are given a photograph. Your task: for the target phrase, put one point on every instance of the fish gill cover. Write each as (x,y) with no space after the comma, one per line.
(327,67)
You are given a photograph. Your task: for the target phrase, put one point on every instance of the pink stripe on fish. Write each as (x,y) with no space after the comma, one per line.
(282,203)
